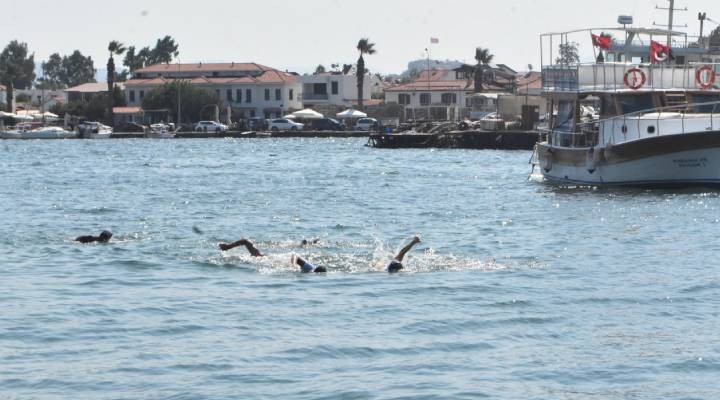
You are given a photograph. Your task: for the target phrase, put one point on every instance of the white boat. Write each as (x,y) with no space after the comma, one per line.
(48,132)
(160,131)
(94,130)
(658,123)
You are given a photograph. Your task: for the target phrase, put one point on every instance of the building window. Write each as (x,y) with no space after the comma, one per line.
(132,96)
(278,94)
(267,94)
(142,94)
(404,99)
(252,113)
(248,96)
(238,96)
(424,99)
(449,98)
(334,87)
(291,94)
(228,93)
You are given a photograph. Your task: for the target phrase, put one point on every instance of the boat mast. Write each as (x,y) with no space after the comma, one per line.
(671,14)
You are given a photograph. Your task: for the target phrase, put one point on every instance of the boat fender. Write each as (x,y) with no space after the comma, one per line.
(547,162)
(592,159)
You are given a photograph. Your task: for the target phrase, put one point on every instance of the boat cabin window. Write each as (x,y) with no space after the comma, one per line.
(697,98)
(632,103)
(565,116)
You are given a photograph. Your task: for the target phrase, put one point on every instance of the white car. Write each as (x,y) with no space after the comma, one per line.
(366,124)
(210,126)
(284,124)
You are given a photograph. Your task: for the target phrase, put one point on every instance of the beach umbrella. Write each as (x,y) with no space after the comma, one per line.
(289,116)
(4,114)
(308,114)
(351,113)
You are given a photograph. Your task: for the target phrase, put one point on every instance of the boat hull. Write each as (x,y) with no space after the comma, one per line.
(672,160)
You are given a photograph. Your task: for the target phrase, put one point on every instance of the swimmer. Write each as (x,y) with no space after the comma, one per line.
(306,242)
(305,266)
(396,264)
(103,238)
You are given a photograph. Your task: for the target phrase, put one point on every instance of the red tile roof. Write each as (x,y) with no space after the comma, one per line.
(531,80)
(267,76)
(127,110)
(205,67)
(92,87)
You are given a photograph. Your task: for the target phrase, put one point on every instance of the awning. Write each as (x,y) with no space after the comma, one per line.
(308,114)
(351,113)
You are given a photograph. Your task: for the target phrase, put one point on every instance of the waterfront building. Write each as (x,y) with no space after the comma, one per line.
(450,94)
(87,91)
(334,89)
(248,89)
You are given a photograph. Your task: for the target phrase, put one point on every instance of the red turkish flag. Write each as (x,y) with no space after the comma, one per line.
(602,42)
(659,52)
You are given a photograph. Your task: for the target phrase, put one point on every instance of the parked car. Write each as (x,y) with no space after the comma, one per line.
(284,124)
(326,124)
(210,126)
(366,124)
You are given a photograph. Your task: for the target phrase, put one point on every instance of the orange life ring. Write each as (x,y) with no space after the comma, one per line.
(705,77)
(637,83)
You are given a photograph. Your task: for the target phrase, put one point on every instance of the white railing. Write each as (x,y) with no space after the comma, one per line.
(604,77)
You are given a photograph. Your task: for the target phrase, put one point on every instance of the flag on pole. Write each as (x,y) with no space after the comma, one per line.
(602,42)
(434,40)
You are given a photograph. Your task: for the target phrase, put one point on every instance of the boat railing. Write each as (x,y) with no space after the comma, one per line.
(624,121)
(622,76)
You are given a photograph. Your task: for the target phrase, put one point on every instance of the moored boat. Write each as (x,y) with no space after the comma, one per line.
(658,121)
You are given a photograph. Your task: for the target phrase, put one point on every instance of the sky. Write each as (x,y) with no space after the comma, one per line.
(299,35)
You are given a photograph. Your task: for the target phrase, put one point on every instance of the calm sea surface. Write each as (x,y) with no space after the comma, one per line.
(518,291)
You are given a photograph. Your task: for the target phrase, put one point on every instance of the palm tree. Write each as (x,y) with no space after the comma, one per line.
(115,48)
(364,47)
(483,58)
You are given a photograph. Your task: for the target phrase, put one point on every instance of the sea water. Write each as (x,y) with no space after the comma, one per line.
(519,290)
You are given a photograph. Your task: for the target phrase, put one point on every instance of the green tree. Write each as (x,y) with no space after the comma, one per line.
(483,57)
(364,46)
(17,69)
(165,51)
(68,71)
(568,53)
(320,69)
(195,102)
(53,74)
(115,48)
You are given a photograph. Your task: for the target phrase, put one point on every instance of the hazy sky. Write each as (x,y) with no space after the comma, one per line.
(299,35)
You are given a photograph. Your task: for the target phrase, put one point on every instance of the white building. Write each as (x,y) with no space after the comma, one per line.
(3,98)
(250,89)
(333,89)
(437,94)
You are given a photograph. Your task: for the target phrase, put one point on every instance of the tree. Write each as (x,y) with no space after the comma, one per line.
(320,69)
(165,50)
(53,73)
(568,53)
(68,71)
(17,69)
(364,46)
(483,58)
(115,48)
(194,100)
